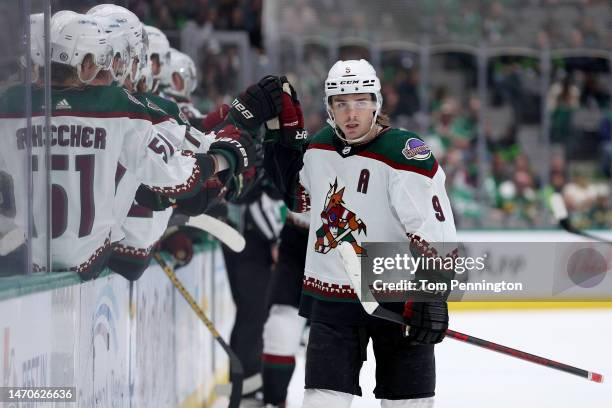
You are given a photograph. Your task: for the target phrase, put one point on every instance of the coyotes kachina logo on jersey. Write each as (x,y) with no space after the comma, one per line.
(339,223)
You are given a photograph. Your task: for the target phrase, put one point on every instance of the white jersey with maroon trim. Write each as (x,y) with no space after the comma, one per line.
(139,228)
(93,130)
(388,190)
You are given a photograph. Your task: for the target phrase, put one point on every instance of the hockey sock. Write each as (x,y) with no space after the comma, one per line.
(277,372)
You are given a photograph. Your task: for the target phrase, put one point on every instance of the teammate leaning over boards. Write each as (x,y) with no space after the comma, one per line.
(83,154)
(142,227)
(159,56)
(181,81)
(12,233)
(138,227)
(358,175)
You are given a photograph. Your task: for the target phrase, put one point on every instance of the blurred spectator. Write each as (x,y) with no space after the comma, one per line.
(579,193)
(593,94)
(519,199)
(563,100)
(453,128)
(221,14)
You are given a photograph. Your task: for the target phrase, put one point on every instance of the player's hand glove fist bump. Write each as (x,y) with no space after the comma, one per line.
(288,128)
(237,147)
(215,118)
(428,321)
(259,103)
(179,245)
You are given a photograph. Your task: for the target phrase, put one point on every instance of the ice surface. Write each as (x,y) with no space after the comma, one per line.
(472,377)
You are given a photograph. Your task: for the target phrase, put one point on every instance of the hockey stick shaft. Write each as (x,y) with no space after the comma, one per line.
(353,270)
(220,230)
(589,375)
(235,364)
(466,338)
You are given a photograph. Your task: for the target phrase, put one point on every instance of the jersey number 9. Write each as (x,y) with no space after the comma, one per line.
(435,201)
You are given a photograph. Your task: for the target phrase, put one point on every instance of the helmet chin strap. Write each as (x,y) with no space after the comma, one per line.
(340,134)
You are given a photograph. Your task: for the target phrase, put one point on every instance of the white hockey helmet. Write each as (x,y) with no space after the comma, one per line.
(117,38)
(352,77)
(160,46)
(136,35)
(183,65)
(74,36)
(145,79)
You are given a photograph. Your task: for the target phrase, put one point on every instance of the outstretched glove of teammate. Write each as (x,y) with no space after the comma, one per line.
(288,128)
(215,118)
(152,200)
(428,321)
(259,103)
(237,147)
(179,245)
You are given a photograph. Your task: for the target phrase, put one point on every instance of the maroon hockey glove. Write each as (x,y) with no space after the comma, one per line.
(179,245)
(259,103)
(428,321)
(152,200)
(215,118)
(209,196)
(290,121)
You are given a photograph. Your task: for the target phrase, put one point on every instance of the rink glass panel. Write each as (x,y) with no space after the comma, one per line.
(24,186)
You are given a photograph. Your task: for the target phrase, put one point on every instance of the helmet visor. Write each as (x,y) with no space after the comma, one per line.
(342,105)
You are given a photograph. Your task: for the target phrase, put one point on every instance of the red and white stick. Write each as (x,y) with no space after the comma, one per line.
(353,270)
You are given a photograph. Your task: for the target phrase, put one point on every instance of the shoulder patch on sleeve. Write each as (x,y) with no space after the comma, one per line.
(416,149)
(151,105)
(182,117)
(405,151)
(132,98)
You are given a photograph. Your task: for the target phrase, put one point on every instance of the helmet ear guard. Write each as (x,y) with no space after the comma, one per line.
(352,77)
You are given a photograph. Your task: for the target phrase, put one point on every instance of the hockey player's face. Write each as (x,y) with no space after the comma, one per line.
(353,114)
(177,81)
(155,64)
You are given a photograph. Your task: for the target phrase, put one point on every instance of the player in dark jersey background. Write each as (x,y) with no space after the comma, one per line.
(282,333)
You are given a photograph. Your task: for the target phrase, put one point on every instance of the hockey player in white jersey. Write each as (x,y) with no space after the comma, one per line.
(181,80)
(159,56)
(138,228)
(363,181)
(141,227)
(82,154)
(12,237)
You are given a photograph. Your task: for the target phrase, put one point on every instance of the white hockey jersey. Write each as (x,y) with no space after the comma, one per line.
(138,228)
(388,190)
(93,129)
(146,227)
